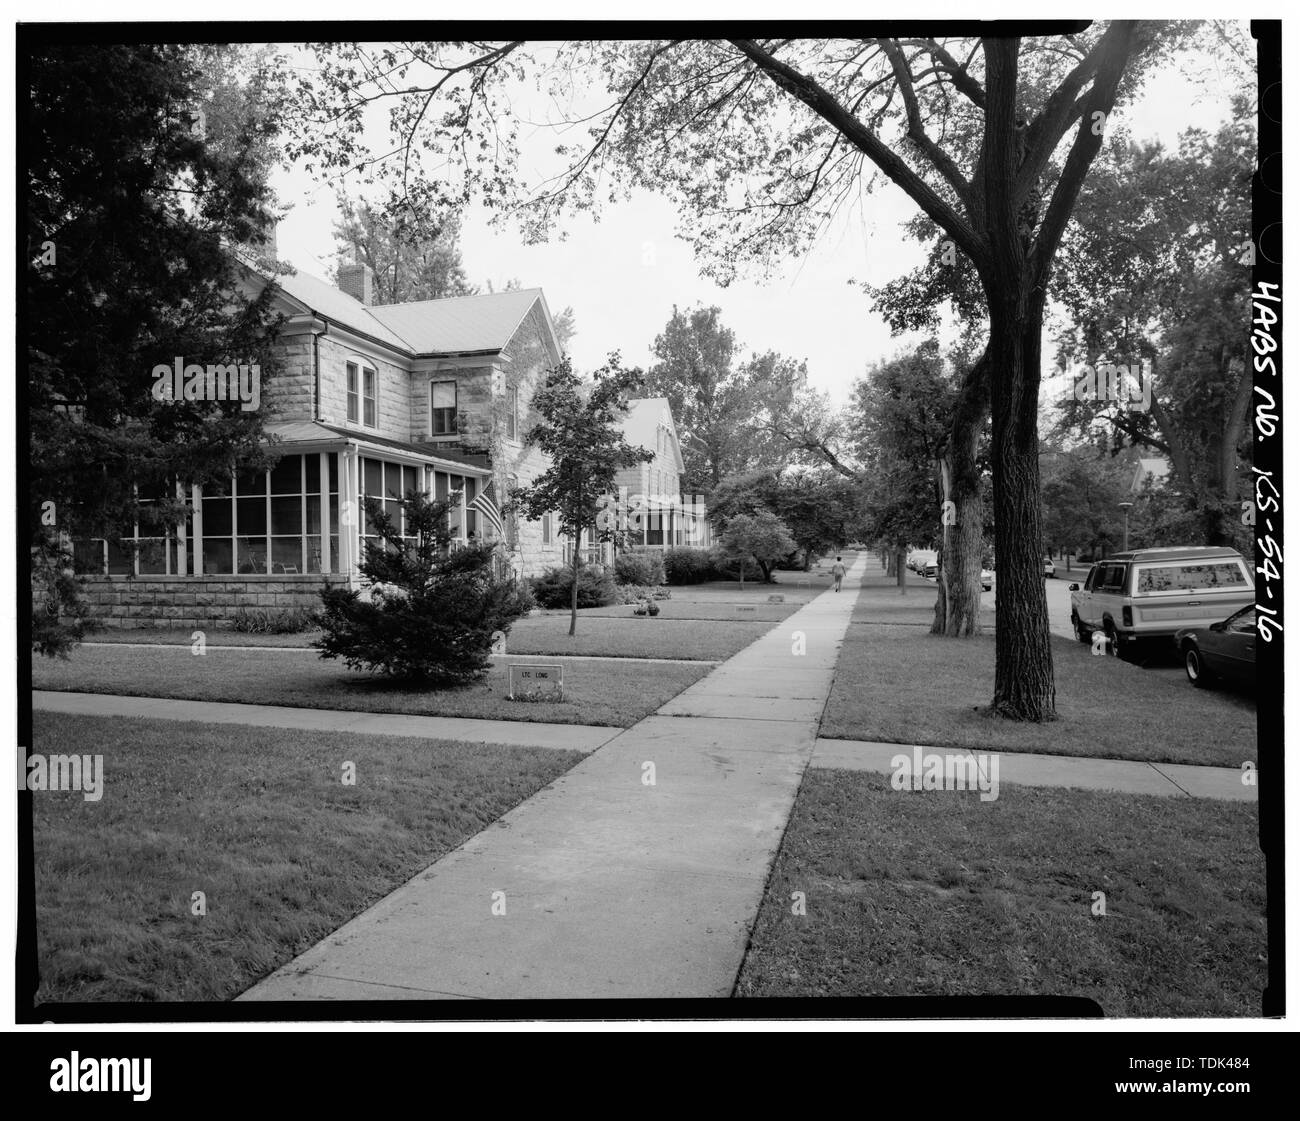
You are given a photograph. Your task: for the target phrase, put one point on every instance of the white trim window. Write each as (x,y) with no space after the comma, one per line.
(442,408)
(362,394)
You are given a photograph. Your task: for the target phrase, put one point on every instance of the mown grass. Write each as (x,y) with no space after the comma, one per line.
(603,632)
(609,692)
(898,684)
(259,820)
(940,894)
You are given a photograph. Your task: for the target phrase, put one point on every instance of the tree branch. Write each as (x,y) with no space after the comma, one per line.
(830,110)
(916,127)
(1087,143)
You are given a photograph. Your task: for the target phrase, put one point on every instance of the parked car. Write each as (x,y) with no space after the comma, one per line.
(1049,569)
(1152,594)
(986,579)
(922,560)
(1221,651)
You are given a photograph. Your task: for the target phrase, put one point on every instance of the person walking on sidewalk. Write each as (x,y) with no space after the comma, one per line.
(838,573)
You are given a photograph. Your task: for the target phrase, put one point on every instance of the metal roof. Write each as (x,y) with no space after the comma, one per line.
(312,432)
(456,325)
(459,324)
(339,307)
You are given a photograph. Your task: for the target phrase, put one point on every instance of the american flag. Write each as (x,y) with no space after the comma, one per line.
(485,504)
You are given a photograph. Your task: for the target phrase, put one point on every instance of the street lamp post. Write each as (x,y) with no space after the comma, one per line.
(1126,507)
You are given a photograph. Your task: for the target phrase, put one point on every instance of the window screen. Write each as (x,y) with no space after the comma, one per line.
(442,398)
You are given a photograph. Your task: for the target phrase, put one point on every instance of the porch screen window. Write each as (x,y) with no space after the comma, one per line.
(442,396)
(388,483)
(269,522)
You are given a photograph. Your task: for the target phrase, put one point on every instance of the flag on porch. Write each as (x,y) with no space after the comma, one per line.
(484,503)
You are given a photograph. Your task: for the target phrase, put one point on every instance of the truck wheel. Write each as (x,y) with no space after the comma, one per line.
(1112,639)
(1082,633)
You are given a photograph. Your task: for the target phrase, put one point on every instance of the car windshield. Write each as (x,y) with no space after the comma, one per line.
(1191,577)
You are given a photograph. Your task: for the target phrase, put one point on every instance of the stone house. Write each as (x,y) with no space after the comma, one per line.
(368,401)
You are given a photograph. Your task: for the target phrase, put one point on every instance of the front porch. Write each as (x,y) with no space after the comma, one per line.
(270,539)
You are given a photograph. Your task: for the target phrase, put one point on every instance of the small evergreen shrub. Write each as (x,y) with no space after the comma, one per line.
(431,611)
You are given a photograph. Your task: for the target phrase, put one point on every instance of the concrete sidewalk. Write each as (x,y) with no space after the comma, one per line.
(1125,776)
(636,874)
(511,733)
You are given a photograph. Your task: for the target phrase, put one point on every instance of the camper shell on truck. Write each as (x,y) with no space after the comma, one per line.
(1148,595)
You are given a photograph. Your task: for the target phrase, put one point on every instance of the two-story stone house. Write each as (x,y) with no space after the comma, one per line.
(370,401)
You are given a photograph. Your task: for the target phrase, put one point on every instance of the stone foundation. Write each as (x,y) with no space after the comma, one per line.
(196,601)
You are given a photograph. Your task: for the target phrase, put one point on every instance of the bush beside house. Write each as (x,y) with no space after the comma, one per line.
(554,588)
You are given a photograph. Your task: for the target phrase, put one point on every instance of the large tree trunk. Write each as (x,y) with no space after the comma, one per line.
(1024,687)
(956,611)
(900,568)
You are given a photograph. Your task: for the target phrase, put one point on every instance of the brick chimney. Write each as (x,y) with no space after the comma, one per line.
(271,248)
(358,281)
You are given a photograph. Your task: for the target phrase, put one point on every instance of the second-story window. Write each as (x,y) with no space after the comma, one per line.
(361,394)
(442,404)
(368,409)
(512,413)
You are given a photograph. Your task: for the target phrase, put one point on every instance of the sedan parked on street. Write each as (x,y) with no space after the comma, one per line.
(1220,652)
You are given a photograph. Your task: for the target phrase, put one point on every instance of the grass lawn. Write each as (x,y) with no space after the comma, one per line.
(916,894)
(154,636)
(606,693)
(605,632)
(879,601)
(895,684)
(261,823)
(625,635)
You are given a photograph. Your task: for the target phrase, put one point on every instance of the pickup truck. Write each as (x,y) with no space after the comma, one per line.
(1149,595)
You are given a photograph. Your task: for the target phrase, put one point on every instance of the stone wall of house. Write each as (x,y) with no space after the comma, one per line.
(212,601)
(288,394)
(474,414)
(529,356)
(393,395)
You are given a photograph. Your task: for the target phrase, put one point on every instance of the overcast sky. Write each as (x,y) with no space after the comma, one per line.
(623,274)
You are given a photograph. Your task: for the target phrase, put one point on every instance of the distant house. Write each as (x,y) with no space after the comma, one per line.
(1154,468)
(370,401)
(649,495)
